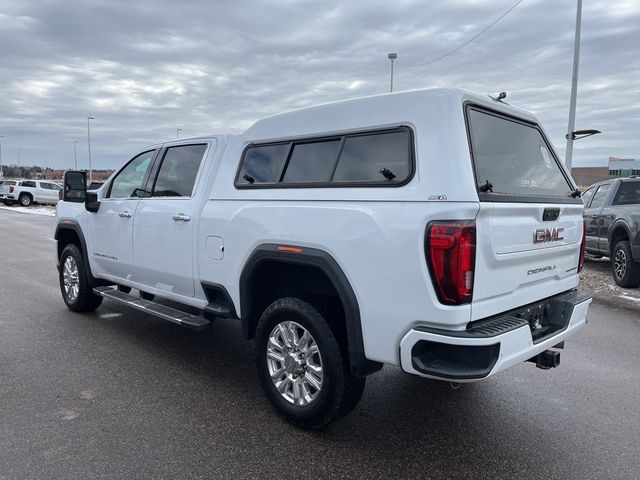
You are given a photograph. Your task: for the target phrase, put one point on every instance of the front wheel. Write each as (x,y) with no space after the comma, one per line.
(74,283)
(301,366)
(626,272)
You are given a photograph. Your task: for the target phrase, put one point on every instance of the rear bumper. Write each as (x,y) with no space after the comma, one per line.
(7,197)
(493,345)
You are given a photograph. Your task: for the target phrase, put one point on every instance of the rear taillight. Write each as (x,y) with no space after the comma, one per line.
(451,256)
(583,247)
(10,189)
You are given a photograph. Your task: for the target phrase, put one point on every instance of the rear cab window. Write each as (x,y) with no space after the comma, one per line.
(513,162)
(628,194)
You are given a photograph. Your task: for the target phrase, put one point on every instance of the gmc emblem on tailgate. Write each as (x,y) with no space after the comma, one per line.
(542,235)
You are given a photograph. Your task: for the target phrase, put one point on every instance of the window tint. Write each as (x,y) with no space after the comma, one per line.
(628,194)
(131,177)
(598,198)
(28,183)
(514,157)
(312,162)
(363,157)
(586,196)
(383,157)
(178,171)
(263,164)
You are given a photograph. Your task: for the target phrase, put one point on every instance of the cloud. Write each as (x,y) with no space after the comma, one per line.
(145,68)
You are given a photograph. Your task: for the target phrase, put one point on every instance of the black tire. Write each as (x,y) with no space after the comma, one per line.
(340,392)
(626,272)
(25,200)
(8,203)
(85,300)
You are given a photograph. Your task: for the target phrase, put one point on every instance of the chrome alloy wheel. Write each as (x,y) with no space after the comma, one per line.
(620,264)
(295,363)
(70,278)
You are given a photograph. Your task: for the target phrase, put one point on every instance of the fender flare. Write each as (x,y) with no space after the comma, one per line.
(360,365)
(74,226)
(619,223)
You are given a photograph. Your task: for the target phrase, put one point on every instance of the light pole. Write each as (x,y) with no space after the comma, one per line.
(574,89)
(75,154)
(1,173)
(19,166)
(392,57)
(178,130)
(89,147)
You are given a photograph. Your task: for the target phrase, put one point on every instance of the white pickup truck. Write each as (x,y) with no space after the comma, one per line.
(435,230)
(26,192)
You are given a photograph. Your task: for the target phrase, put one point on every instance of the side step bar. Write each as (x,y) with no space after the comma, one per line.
(195,322)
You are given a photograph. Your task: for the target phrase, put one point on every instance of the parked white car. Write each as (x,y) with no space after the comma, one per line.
(26,192)
(434,230)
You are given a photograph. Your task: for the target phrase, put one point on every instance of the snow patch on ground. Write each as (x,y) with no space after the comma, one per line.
(634,299)
(39,210)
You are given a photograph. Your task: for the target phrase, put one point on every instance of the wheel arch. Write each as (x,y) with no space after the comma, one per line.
(268,255)
(67,232)
(619,231)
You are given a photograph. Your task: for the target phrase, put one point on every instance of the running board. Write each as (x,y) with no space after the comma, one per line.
(195,322)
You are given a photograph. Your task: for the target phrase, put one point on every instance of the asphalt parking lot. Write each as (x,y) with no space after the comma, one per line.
(120,395)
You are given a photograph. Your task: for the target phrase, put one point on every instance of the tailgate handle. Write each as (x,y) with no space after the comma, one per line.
(550,214)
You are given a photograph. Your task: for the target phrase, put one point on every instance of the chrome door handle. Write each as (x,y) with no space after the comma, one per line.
(125,214)
(181,217)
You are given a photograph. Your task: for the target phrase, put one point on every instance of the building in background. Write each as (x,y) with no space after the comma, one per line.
(623,167)
(618,167)
(585,176)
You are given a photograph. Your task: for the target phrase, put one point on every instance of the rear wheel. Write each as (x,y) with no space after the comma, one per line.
(626,272)
(74,283)
(301,365)
(25,200)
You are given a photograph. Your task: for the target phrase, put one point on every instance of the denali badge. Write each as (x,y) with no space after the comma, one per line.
(542,235)
(548,268)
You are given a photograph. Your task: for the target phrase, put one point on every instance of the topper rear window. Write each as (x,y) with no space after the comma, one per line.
(513,161)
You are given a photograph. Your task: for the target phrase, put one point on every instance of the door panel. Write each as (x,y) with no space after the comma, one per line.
(164,228)
(164,246)
(593,219)
(112,226)
(112,237)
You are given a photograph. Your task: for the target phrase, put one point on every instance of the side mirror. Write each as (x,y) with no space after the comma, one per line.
(75,186)
(92,204)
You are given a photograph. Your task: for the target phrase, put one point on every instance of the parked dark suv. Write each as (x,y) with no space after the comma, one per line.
(612,217)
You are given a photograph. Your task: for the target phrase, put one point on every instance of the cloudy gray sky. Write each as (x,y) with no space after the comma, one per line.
(144,68)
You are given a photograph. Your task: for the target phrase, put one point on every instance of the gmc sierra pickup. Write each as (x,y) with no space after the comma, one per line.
(435,230)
